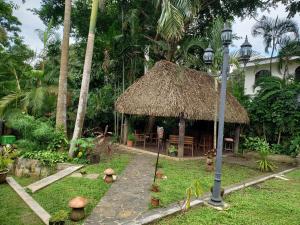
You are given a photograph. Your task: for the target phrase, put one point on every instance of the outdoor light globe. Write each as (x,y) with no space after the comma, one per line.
(245,51)
(208,56)
(226,35)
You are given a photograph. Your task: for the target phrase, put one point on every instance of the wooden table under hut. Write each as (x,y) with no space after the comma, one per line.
(170,90)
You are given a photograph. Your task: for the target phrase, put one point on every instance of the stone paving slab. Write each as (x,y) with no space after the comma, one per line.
(36,208)
(50,179)
(129,196)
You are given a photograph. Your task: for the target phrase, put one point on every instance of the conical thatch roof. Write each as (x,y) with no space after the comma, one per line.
(167,90)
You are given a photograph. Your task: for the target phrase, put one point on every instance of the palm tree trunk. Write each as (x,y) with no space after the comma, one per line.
(61,108)
(85,78)
(273,48)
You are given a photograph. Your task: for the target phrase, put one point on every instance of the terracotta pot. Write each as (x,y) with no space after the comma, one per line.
(129,143)
(3,175)
(222,191)
(77,214)
(108,179)
(154,188)
(159,174)
(154,202)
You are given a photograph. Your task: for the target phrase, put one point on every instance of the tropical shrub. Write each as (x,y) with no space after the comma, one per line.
(295,146)
(83,148)
(36,134)
(263,149)
(47,158)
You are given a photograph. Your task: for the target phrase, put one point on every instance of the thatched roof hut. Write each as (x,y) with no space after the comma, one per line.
(169,90)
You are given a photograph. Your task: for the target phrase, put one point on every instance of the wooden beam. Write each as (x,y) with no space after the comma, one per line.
(125,131)
(237,139)
(181,136)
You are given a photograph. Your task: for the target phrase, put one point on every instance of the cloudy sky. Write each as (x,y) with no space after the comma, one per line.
(31,22)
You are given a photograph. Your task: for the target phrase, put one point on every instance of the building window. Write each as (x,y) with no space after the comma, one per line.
(262,73)
(297,74)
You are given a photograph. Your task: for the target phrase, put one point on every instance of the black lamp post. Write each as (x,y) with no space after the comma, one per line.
(245,51)
(226,38)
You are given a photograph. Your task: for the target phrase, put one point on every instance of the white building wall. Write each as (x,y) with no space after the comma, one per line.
(252,69)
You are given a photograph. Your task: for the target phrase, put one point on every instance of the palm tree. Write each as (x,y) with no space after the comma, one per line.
(274,32)
(61,109)
(85,78)
(175,17)
(289,50)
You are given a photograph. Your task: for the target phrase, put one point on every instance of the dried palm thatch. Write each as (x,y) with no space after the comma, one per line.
(169,90)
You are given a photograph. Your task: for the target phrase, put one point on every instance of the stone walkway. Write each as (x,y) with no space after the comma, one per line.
(128,197)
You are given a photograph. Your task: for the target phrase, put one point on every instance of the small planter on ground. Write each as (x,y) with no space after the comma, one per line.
(173,151)
(6,156)
(154,200)
(58,218)
(77,204)
(108,177)
(155,188)
(130,140)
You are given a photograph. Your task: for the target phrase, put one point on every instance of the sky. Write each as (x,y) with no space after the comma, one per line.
(31,22)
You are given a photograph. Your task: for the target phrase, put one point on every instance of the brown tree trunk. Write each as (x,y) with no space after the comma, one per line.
(61,109)
(237,139)
(85,78)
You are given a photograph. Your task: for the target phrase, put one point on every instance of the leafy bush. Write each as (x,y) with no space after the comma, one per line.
(263,148)
(25,144)
(47,158)
(83,148)
(36,134)
(295,146)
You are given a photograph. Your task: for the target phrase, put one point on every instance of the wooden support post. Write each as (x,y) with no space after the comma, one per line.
(125,131)
(181,136)
(237,139)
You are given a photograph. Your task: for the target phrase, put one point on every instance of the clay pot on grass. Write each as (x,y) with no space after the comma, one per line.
(77,204)
(154,201)
(159,174)
(129,143)
(155,188)
(108,178)
(3,175)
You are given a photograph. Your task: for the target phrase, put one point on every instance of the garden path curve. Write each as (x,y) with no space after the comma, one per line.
(129,196)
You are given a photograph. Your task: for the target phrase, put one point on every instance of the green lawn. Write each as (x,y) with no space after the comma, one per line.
(181,174)
(56,196)
(275,202)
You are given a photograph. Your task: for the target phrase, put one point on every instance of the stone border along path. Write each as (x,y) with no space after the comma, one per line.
(128,197)
(50,179)
(36,208)
(157,214)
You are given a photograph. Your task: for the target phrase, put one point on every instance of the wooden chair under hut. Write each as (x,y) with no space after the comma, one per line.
(170,90)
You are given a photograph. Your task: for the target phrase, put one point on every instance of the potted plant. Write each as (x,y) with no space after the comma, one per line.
(5,160)
(172,151)
(58,218)
(130,139)
(154,200)
(154,188)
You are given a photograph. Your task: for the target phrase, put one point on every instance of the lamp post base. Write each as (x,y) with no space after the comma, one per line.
(217,205)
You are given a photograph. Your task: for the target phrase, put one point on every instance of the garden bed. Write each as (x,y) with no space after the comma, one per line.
(273,202)
(56,196)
